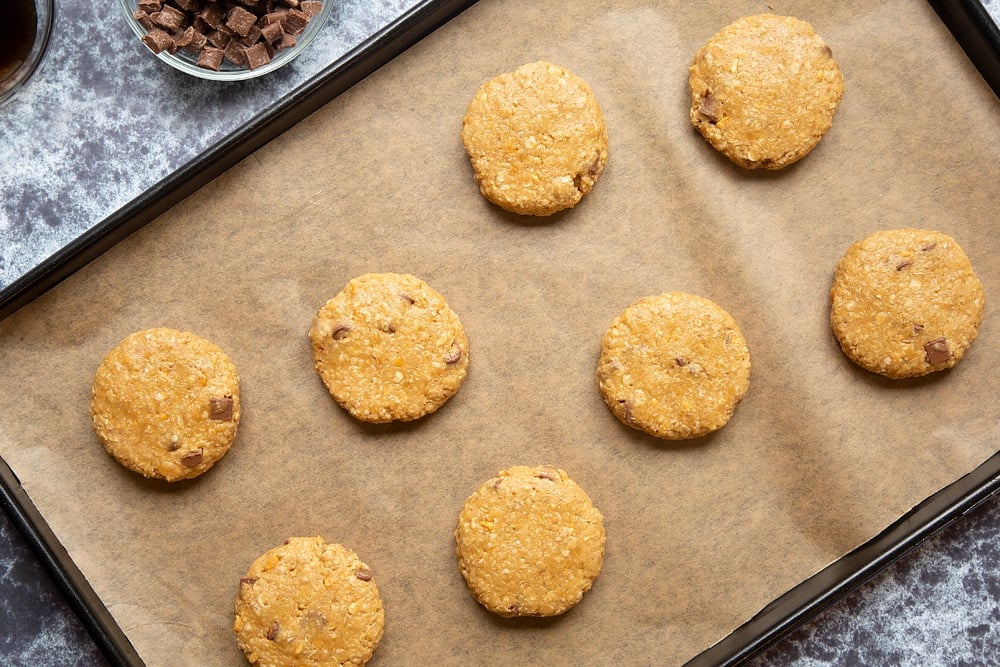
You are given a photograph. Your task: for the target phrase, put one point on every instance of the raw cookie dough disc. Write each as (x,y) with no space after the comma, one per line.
(537,139)
(389,348)
(310,604)
(905,302)
(674,366)
(166,403)
(529,542)
(764,90)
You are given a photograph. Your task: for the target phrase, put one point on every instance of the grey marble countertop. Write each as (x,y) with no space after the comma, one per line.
(937,605)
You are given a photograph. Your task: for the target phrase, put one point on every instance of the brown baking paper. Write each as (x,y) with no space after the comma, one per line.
(819,457)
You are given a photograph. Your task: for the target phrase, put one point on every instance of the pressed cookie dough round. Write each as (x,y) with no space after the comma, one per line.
(536,138)
(307,603)
(529,542)
(906,302)
(674,365)
(764,90)
(166,403)
(388,348)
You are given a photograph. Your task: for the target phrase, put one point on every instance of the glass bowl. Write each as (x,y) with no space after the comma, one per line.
(185,60)
(14,79)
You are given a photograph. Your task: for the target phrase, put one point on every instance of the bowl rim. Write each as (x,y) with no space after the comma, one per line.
(183,62)
(45,11)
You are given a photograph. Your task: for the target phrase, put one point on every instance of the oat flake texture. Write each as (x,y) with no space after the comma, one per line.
(529,542)
(537,139)
(764,90)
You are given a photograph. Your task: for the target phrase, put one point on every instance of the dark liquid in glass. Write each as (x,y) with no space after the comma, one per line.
(17,33)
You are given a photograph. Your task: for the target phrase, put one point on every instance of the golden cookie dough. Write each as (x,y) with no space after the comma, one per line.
(674,365)
(166,403)
(764,90)
(905,302)
(529,542)
(389,348)
(307,603)
(537,139)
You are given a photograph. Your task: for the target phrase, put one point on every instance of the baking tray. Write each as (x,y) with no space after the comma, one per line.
(972,28)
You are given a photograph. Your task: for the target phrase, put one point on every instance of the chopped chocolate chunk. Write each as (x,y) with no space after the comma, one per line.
(827,51)
(169,18)
(902,265)
(936,351)
(340,332)
(296,21)
(143,19)
(240,20)
(364,574)
(626,407)
(287,42)
(212,15)
(311,7)
(248,581)
(681,361)
(205,28)
(454,355)
(272,633)
(186,38)
(157,40)
(174,444)
(272,32)
(595,165)
(219,39)
(545,474)
(709,107)
(191,459)
(236,53)
(257,56)
(928,247)
(220,408)
(252,37)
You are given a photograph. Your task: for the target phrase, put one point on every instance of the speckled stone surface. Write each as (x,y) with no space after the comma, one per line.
(102,121)
(939,605)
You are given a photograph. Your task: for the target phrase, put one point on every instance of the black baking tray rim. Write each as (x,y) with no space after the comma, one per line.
(972,28)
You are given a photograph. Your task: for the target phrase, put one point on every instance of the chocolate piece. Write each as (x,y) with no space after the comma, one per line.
(219,39)
(311,7)
(272,32)
(709,107)
(240,20)
(917,328)
(287,42)
(248,581)
(936,351)
(150,6)
(364,574)
(157,40)
(221,408)
(169,18)
(143,19)
(545,474)
(236,53)
(903,265)
(212,15)
(454,355)
(929,247)
(272,633)
(257,56)
(340,332)
(681,361)
(191,459)
(296,21)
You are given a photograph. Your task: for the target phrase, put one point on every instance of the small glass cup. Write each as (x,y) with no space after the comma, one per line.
(14,78)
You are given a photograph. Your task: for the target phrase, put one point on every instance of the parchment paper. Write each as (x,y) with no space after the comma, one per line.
(818,458)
